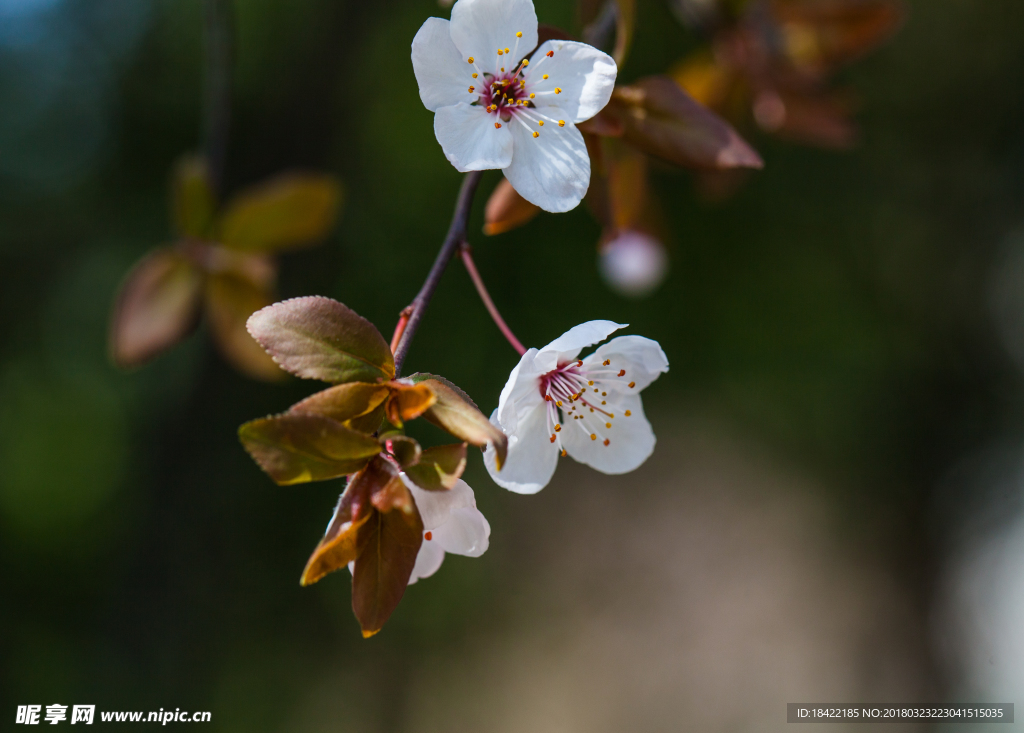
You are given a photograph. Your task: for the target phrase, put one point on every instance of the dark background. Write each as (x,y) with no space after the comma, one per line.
(843,329)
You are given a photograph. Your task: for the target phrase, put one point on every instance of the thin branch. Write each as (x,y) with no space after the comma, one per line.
(474,274)
(217,102)
(456,236)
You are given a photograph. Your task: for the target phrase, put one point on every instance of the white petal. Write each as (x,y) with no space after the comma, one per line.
(465,533)
(521,392)
(642,358)
(480,27)
(567,347)
(443,75)
(428,560)
(585,75)
(532,457)
(551,170)
(436,506)
(630,439)
(469,138)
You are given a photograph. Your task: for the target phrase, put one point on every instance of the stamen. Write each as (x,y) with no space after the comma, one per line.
(628,413)
(558,90)
(552,437)
(579,362)
(549,54)
(564,454)
(559,403)
(561,123)
(593,436)
(591,383)
(536,134)
(497,125)
(622,373)
(532,95)
(545,76)
(558,428)
(606,442)
(541,123)
(632,384)
(519,34)
(607,424)
(500,52)
(526,62)
(475,75)
(506,50)
(428,536)
(470,59)
(471,89)
(604,394)
(603,402)
(606,362)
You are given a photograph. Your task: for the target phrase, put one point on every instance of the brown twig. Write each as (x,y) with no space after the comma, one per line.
(456,236)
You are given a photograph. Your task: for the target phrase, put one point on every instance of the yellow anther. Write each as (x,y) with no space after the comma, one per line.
(558,428)
(591,409)
(606,362)
(532,95)
(559,403)
(500,52)
(628,413)
(541,123)
(564,454)
(475,75)
(591,382)
(470,59)
(536,134)
(558,90)
(632,384)
(506,50)
(607,424)
(593,437)
(604,394)
(497,125)
(603,402)
(519,34)
(502,68)
(544,77)
(471,89)
(526,62)
(606,442)
(561,123)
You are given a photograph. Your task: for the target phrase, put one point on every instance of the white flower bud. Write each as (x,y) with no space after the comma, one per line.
(633,264)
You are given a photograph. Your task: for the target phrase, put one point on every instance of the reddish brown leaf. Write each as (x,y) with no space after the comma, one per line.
(339,546)
(662,119)
(408,401)
(319,338)
(344,401)
(157,306)
(507,210)
(406,450)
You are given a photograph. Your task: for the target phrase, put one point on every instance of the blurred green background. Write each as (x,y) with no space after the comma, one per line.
(830,328)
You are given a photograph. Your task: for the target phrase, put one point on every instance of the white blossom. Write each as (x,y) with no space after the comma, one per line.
(493,108)
(555,403)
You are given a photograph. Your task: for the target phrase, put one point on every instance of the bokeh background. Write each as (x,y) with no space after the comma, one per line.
(834,509)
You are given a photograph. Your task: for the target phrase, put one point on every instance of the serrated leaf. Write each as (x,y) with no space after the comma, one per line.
(319,338)
(230,300)
(194,202)
(507,210)
(370,422)
(387,544)
(296,448)
(286,212)
(339,546)
(455,412)
(344,402)
(408,401)
(439,468)
(156,307)
(661,119)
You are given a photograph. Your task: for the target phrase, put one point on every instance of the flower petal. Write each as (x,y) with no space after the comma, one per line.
(585,75)
(630,440)
(567,347)
(428,560)
(520,393)
(551,170)
(436,506)
(642,358)
(532,457)
(470,140)
(443,75)
(465,533)
(480,27)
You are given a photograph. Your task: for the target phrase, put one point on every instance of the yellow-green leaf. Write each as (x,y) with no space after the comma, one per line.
(344,402)
(286,212)
(296,448)
(193,199)
(230,300)
(439,468)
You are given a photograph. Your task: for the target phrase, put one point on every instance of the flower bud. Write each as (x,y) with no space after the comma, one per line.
(633,264)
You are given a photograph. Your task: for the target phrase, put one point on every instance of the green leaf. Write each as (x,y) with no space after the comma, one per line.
(370,422)
(339,547)
(387,544)
(439,468)
(319,338)
(284,213)
(455,412)
(344,401)
(193,199)
(230,300)
(658,117)
(157,306)
(406,450)
(295,448)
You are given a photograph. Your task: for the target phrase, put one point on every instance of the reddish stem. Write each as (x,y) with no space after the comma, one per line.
(403,321)
(474,274)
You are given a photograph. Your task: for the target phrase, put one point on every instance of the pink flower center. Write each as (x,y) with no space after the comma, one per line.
(504,94)
(576,393)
